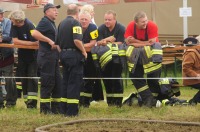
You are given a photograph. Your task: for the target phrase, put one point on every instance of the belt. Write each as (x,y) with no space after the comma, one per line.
(69,49)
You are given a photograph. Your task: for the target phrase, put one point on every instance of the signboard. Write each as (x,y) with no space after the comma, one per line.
(185,12)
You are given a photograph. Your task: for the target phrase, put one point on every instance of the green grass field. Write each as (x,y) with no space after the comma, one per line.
(20,119)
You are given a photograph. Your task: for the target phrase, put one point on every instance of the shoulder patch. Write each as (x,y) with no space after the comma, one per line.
(77,30)
(94,34)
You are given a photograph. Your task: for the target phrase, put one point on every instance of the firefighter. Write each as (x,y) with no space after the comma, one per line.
(111,36)
(90,34)
(27,60)
(72,57)
(141,35)
(48,56)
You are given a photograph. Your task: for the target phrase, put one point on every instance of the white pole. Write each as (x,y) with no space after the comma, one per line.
(185,22)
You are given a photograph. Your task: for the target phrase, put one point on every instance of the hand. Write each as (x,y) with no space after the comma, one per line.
(129,39)
(58,48)
(111,39)
(85,54)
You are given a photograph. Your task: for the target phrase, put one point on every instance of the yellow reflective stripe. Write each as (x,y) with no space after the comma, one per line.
(155,94)
(129,51)
(164,81)
(148,51)
(130,66)
(56,99)
(115,95)
(19,87)
(143,88)
(94,56)
(85,94)
(32,97)
(77,30)
(94,34)
(105,61)
(45,100)
(153,68)
(164,101)
(64,100)
(72,101)
(156,51)
(122,52)
(114,52)
(105,55)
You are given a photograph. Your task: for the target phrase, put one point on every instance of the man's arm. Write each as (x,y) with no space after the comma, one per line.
(6,38)
(89,45)
(80,46)
(22,42)
(37,35)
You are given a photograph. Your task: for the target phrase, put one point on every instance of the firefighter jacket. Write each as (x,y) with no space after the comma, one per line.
(102,55)
(167,89)
(151,57)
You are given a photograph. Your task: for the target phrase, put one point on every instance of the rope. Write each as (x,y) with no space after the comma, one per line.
(43,128)
(87,78)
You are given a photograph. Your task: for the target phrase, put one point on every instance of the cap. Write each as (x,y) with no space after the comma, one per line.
(49,5)
(2,10)
(190,41)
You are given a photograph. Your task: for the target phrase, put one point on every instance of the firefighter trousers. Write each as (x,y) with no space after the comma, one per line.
(114,87)
(72,62)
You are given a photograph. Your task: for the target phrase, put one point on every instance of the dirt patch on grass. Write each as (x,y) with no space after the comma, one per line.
(123,126)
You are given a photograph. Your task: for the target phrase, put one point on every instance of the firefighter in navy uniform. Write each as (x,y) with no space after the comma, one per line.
(27,58)
(111,35)
(90,34)
(48,57)
(72,58)
(141,35)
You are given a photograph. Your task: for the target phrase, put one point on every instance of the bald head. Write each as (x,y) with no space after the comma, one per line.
(72,9)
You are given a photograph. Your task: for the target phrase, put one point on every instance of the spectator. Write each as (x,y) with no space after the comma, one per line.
(27,64)
(48,57)
(90,35)
(97,93)
(72,57)
(191,68)
(140,35)
(7,62)
(111,36)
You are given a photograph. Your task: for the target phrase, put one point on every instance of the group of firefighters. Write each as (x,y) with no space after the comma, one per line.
(86,50)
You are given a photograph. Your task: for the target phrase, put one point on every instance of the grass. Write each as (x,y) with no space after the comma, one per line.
(20,119)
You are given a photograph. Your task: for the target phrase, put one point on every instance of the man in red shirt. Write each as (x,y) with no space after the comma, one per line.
(142,33)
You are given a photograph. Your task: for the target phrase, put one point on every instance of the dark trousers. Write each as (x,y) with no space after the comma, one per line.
(88,86)
(113,86)
(197,95)
(50,90)
(10,86)
(72,62)
(153,85)
(29,86)
(97,93)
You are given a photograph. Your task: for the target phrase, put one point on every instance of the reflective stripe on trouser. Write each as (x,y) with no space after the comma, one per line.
(50,84)
(114,86)
(31,99)
(140,84)
(72,81)
(88,85)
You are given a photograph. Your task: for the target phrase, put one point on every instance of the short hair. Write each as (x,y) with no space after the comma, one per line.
(17,15)
(112,12)
(72,9)
(89,8)
(138,15)
(85,13)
